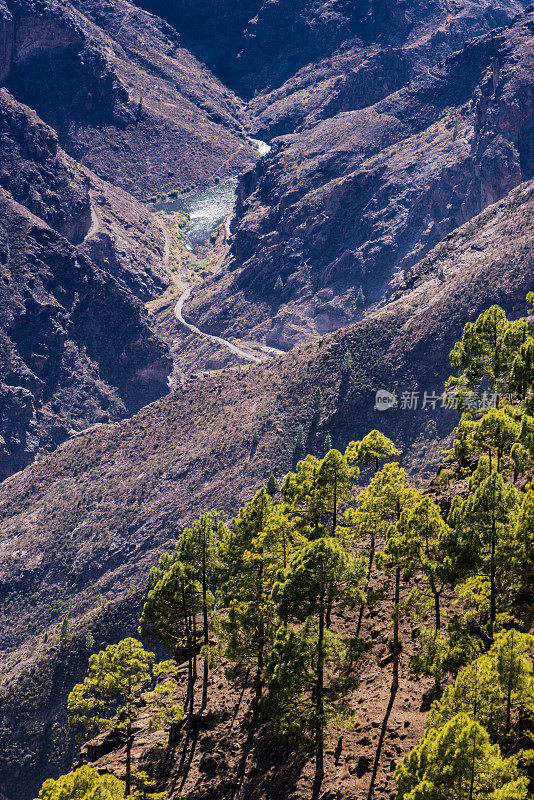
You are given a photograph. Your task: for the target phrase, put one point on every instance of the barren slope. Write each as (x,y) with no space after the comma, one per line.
(94,515)
(119,89)
(361,197)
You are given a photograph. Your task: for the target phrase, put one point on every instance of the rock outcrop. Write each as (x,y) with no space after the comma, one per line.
(120,91)
(360,198)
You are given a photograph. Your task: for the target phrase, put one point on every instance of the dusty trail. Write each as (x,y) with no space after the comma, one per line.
(217,339)
(96,225)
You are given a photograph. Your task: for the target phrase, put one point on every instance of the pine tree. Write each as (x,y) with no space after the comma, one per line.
(496,689)
(170,613)
(495,434)
(315,492)
(85,782)
(484,524)
(247,629)
(389,495)
(277,543)
(347,361)
(327,443)
(304,662)
(272,485)
(108,697)
(279,285)
(419,543)
(334,486)
(487,350)
(198,548)
(360,298)
(378,507)
(89,642)
(299,438)
(459,761)
(317,400)
(371,450)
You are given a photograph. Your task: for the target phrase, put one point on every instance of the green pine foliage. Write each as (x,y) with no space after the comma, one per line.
(272,485)
(459,760)
(281,592)
(108,697)
(304,665)
(84,783)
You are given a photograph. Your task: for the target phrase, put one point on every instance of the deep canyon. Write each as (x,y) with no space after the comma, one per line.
(395,204)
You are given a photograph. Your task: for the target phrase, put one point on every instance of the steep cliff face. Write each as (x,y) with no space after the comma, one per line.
(75,347)
(361,197)
(115,84)
(37,175)
(373,53)
(78,257)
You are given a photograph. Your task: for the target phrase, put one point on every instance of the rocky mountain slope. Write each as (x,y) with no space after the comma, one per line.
(90,93)
(115,84)
(359,198)
(89,520)
(403,166)
(299,58)
(77,347)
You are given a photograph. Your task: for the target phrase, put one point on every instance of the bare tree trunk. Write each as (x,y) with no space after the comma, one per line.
(493,599)
(395,678)
(128,787)
(367,583)
(319,703)
(510,685)
(383,732)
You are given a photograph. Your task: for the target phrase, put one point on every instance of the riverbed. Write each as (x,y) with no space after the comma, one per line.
(208,208)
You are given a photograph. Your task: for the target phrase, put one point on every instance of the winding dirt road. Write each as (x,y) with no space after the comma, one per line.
(178,312)
(263,149)
(96,225)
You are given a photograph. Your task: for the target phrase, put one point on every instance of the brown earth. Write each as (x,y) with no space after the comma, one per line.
(225,756)
(94,515)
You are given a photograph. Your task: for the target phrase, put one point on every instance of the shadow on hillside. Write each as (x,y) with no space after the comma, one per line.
(267,769)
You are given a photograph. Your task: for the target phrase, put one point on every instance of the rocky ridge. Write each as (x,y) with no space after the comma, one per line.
(360,198)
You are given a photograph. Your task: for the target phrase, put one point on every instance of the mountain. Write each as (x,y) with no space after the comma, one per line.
(84,525)
(119,90)
(401,162)
(87,92)
(358,199)
(295,58)
(77,347)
